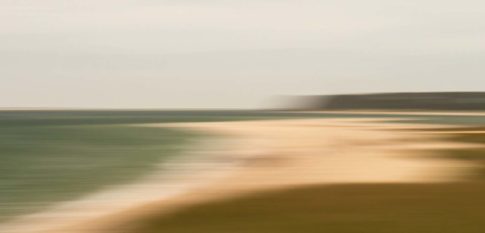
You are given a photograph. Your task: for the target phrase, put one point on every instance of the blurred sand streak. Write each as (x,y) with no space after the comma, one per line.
(284,153)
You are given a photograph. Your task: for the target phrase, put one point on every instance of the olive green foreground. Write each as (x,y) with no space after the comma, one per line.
(397,208)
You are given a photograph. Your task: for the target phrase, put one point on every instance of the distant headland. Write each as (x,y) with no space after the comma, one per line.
(460,101)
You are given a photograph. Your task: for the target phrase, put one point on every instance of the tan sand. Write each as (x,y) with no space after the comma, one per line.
(284,153)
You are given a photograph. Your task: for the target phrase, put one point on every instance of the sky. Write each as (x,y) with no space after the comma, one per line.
(233,54)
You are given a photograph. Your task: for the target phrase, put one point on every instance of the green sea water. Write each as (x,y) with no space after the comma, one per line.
(52,156)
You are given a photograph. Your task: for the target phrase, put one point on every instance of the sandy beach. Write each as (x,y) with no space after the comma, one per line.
(262,155)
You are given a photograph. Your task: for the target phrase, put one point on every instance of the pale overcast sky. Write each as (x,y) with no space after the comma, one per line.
(229,53)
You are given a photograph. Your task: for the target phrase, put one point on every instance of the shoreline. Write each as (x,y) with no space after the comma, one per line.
(273,154)
(172,178)
(293,153)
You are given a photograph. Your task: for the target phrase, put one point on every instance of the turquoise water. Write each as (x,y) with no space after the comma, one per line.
(51,156)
